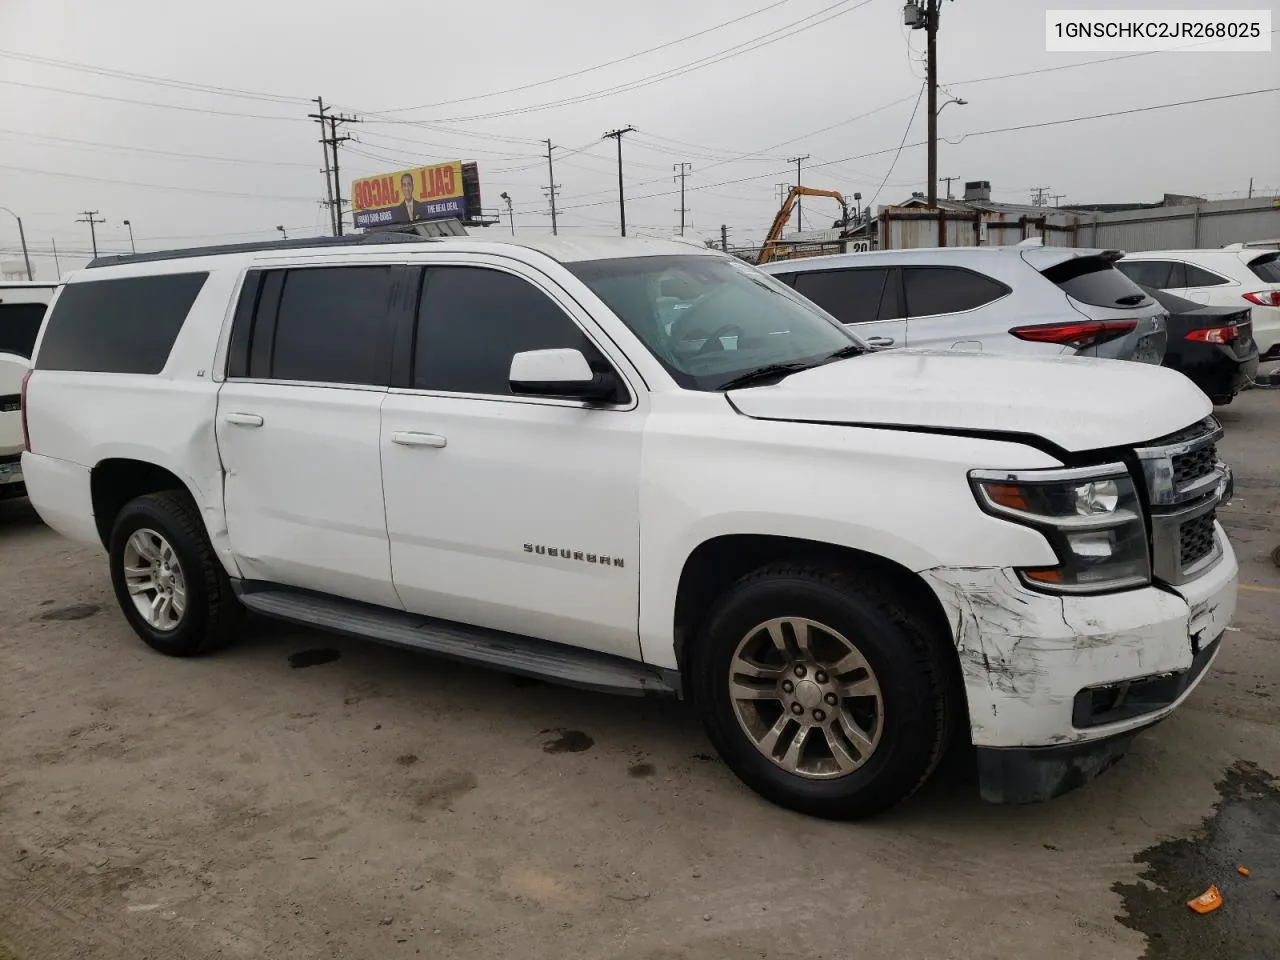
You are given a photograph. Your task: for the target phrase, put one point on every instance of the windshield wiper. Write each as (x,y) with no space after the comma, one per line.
(770,372)
(774,372)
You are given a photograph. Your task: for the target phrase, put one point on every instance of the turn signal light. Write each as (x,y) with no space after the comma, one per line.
(1078,336)
(1214,335)
(1264,298)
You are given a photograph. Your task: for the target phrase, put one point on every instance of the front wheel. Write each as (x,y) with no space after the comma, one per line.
(821,691)
(167,579)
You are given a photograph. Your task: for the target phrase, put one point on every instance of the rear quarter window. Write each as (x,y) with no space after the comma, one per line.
(19,325)
(1267,267)
(118,326)
(1096,281)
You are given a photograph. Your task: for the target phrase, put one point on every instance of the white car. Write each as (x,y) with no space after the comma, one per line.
(1236,276)
(1044,301)
(22,306)
(497,452)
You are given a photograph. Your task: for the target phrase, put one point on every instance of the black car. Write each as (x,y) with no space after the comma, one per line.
(1212,346)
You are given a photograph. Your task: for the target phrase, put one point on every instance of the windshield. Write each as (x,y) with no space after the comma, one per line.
(711,319)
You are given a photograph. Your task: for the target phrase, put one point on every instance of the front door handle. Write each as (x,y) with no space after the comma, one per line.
(243,419)
(411,438)
(880,341)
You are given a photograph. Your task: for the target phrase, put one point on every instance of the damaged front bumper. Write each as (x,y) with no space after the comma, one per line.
(1057,686)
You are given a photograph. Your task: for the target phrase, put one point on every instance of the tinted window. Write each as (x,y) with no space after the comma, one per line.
(1266,268)
(1093,280)
(332,326)
(1147,273)
(19,324)
(118,326)
(851,296)
(933,290)
(472,321)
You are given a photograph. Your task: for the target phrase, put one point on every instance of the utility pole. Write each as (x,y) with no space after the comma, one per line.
(799,210)
(682,171)
(320,118)
(1057,199)
(510,215)
(551,187)
(622,203)
(932,10)
(1039,196)
(724,237)
(1250,192)
(334,140)
(22,236)
(132,245)
(947,181)
(57,264)
(88,218)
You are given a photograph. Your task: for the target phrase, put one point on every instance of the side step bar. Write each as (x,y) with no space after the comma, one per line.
(509,652)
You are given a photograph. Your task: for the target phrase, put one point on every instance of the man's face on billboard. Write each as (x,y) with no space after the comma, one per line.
(406,187)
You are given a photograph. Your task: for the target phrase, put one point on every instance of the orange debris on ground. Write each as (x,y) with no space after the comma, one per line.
(1243,871)
(1208,901)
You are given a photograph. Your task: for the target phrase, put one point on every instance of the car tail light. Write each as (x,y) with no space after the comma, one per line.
(22,406)
(1088,333)
(1214,335)
(1264,298)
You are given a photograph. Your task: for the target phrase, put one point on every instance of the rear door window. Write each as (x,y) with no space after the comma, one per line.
(851,296)
(1267,267)
(118,326)
(1095,281)
(19,325)
(935,290)
(333,326)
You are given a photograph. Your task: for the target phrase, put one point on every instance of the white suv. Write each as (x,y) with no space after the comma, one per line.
(1046,301)
(1235,276)
(498,452)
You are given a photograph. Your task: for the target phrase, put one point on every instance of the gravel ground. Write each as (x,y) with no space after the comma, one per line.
(303,795)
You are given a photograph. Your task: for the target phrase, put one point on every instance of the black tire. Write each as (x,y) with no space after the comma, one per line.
(897,646)
(213,615)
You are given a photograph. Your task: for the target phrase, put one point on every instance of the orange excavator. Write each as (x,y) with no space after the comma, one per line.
(770,247)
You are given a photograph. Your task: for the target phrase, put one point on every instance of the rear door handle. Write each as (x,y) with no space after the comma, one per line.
(243,419)
(411,438)
(880,341)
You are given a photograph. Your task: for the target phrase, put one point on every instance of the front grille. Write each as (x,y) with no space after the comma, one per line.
(1195,540)
(1188,467)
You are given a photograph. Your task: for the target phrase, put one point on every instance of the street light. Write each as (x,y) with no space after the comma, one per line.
(132,246)
(283,232)
(23,237)
(956,100)
(507,197)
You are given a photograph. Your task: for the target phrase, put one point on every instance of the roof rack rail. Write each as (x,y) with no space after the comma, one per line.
(353,240)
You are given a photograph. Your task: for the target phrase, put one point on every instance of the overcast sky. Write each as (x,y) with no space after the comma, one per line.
(838,81)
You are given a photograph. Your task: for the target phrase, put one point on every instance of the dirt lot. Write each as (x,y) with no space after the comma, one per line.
(303,795)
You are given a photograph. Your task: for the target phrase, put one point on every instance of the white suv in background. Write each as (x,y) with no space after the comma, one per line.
(22,306)
(1048,301)
(499,452)
(1235,276)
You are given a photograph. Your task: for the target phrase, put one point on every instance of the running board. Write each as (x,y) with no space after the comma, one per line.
(509,652)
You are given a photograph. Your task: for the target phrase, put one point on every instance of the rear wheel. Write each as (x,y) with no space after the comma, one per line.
(821,691)
(170,586)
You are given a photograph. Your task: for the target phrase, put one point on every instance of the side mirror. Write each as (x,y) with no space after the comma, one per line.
(561,372)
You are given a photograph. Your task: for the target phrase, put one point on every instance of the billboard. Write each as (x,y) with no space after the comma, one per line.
(421,193)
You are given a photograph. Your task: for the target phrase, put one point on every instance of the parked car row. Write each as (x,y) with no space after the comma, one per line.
(22,308)
(1210,314)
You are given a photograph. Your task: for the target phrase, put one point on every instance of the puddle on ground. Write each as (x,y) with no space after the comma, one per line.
(569,741)
(313,658)
(79,611)
(1243,830)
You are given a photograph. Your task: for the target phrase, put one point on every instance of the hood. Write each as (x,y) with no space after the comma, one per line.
(1076,403)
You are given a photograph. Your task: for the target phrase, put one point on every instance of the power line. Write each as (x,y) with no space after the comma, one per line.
(147,103)
(901,144)
(162,153)
(209,88)
(158,186)
(728,53)
(586,70)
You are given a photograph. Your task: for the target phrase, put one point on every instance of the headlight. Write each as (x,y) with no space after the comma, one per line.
(1091,517)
